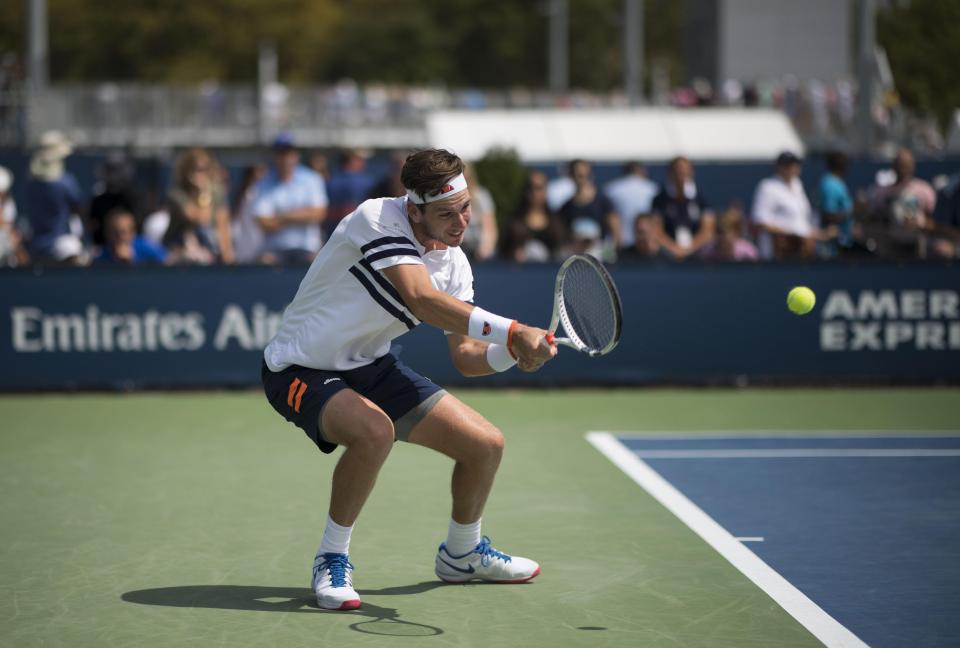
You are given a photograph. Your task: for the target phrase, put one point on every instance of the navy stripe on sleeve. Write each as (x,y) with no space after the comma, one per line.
(384,283)
(402,240)
(392,252)
(380,299)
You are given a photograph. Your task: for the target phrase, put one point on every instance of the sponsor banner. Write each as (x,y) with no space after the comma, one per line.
(183,327)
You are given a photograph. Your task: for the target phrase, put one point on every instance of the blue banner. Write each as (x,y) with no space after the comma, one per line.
(689,324)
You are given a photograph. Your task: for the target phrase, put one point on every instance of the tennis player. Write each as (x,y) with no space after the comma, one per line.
(388,266)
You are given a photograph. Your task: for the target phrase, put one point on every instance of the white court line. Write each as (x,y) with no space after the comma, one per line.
(750,538)
(793,601)
(793,453)
(653,435)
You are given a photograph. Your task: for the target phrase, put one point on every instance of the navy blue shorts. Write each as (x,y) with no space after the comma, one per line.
(299,394)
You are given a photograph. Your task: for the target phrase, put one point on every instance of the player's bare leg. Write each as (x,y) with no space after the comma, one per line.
(476,446)
(366,432)
(458,431)
(352,421)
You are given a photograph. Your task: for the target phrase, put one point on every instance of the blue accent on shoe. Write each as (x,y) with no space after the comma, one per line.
(486,551)
(337,564)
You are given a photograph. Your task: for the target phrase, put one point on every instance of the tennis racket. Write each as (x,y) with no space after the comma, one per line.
(587,304)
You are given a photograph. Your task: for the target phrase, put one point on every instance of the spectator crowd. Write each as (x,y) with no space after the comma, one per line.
(281,211)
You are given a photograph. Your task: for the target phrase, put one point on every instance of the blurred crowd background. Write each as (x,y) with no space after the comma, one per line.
(281,208)
(242,132)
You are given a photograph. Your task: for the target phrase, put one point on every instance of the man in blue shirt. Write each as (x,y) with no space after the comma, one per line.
(291,203)
(836,204)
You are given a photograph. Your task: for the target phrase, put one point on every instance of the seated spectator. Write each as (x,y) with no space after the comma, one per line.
(589,202)
(12,252)
(631,194)
(291,203)
(199,228)
(899,213)
(115,188)
(121,244)
(347,188)
(533,222)
(53,205)
(480,239)
(729,244)
(688,221)
(247,235)
(648,239)
(782,213)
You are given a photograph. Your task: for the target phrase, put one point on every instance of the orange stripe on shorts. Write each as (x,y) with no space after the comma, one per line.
(293,390)
(296,405)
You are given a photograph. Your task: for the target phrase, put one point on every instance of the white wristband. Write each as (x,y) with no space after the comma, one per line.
(488,327)
(499,358)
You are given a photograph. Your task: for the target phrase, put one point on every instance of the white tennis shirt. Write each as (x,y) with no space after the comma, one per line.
(346,312)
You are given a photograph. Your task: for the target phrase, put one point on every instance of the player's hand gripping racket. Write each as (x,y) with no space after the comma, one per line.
(587,303)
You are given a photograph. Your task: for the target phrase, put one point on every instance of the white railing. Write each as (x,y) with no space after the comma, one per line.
(372,115)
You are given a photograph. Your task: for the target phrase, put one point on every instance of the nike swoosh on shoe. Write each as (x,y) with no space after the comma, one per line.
(462,571)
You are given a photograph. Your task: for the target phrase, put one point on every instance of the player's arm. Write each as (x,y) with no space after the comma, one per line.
(469,356)
(439,309)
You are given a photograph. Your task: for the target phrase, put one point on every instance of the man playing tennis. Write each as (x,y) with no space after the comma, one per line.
(391,264)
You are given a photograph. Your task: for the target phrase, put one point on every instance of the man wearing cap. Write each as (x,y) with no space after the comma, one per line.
(782,212)
(390,265)
(291,203)
(53,204)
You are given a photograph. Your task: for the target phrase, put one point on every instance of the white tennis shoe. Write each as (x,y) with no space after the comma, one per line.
(333,582)
(484,563)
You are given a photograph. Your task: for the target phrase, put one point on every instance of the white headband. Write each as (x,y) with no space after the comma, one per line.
(453,185)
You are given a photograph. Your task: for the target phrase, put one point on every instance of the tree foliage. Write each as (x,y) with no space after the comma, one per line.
(922,41)
(460,43)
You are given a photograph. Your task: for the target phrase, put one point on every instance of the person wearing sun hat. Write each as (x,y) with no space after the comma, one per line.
(53,204)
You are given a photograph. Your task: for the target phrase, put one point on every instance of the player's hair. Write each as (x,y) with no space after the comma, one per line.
(425,172)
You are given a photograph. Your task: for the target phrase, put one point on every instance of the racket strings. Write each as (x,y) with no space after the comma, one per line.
(590,308)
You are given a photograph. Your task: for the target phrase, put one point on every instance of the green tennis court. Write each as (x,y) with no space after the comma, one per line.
(192,520)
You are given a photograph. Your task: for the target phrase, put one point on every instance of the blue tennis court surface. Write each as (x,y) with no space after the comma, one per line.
(868,528)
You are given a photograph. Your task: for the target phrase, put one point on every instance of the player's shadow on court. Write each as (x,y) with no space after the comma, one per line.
(377,619)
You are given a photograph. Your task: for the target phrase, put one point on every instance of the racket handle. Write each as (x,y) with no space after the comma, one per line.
(551,339)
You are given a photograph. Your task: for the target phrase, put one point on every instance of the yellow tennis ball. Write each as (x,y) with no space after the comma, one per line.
(801,300)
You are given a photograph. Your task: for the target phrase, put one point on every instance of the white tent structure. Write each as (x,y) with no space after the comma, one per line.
(616,134)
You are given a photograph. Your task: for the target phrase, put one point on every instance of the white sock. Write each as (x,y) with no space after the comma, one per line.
(462,538)
(336,538)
